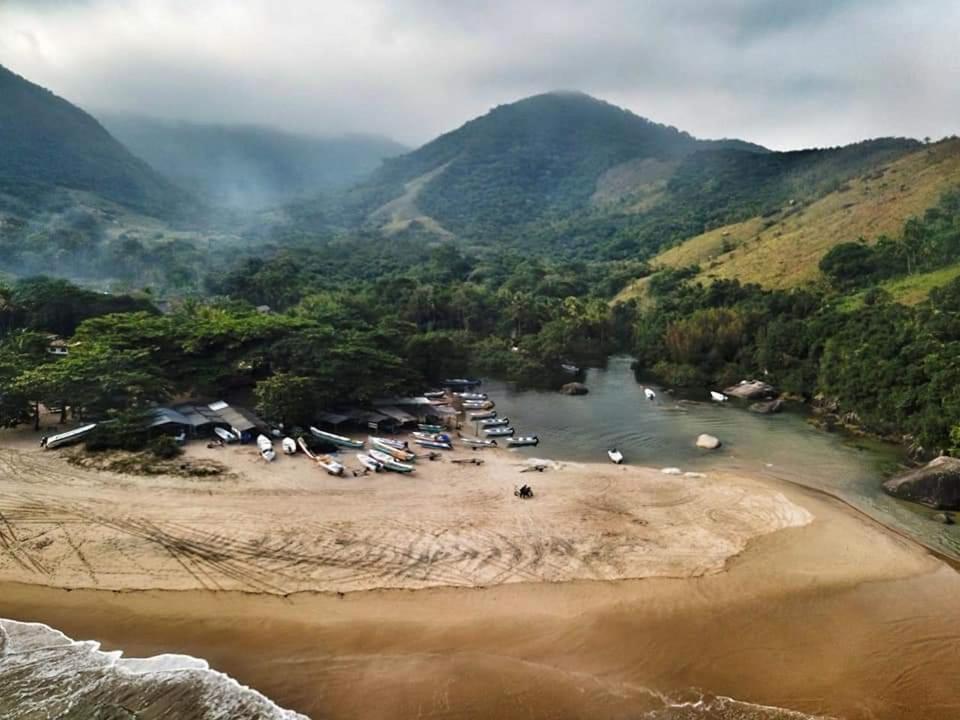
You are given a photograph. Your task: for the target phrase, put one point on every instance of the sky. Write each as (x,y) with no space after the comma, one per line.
(786,74)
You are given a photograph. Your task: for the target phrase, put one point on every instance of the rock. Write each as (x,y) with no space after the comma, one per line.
(752,390)
(708,442)
(945,518)
(574,388)
(767,407)
(672,471)
(936,484)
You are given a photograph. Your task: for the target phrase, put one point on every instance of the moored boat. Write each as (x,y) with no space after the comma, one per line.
(477,442)
(718,396)
(569,368)
(478,404)
(390,463)
(369,463)
(225,435)
(471,396)
(336,439)
(494,422)
(461,382)
(434,444)
(424,427)
(436,437)
(483,415)
(289,446)
(399,444)
(435,394)
(499,432)
(265,445)
(523,441)
(615,456)
(651,395)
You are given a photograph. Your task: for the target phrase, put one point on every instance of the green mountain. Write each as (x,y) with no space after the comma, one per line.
(248,166)
(50,145)
(545,156)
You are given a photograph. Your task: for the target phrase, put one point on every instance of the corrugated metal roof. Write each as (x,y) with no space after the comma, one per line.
(397,414)
(331,418)
(167,416)
(238,418)
(199,415)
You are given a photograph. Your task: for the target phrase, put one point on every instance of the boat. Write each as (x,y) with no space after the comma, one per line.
(477,442)
(435,444)
(69,437)
(483,415)
(394,452)
(430,428)
(333,467)
(718,396)
(336,439)
(289,446)
(476,397)
(570,368)
(651,395)
(494,422)
(615,456)
(369,463)
(435,394)
(478,404)
(390,463)
(306,448)
(225,435)
(523,441)
(265,446)
(498,432)
(462,382)
(398,444)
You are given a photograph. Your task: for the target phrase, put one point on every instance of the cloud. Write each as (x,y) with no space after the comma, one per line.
(787,75)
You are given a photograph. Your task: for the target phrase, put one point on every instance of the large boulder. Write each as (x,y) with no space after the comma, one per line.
(767,407)
(752,390)
(708,442)
(936,484)
(574,388)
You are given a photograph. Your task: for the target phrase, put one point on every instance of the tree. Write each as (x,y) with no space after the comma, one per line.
(288,399)
(848,264)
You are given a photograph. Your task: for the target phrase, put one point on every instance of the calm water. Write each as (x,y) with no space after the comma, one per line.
(661,433)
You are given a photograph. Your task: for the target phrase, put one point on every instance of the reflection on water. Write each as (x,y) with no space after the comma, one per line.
(661,433)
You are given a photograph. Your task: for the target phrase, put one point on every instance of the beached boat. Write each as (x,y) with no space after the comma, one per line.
(718,396)
(69,437)
(615,456)
(478,404)
(470,396)
(494,422)
(336,439)
(399,444)
(477,442)
(332,466)
(225,435)
(289,446)
(370,463)
(462,382)
(651,395)
(306,448)
(435,394)
(483,415)
(434,444)
(424,427)
(395,452)
(523,441)
(390,463)
(436,437)
(265,445)
(499,432)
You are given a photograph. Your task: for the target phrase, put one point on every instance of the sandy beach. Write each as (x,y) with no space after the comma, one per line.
(442,595)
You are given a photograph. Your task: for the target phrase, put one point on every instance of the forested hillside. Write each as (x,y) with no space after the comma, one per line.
(249,167)
(47,143)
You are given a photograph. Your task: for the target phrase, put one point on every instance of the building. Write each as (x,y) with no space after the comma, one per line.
(243,423)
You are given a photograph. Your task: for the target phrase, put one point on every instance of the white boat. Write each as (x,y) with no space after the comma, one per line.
(471,397)
(718,396)
(434,394)
(390,463)
(225,435)
(69,437)
(329,464)
(394,452)
(615,456)
(369,463)
(494,422)
(336,439)
(434,437)
(434,444)
(483,415)
(523,441)
(498,432)
(398,444)
(478,404)
(569,368)
(265,445)
(289,446)
(651,395)
(477,442)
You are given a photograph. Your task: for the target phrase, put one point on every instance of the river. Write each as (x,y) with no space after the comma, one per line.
(661,433)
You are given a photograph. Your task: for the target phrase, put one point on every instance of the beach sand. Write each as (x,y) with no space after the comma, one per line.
(442,595)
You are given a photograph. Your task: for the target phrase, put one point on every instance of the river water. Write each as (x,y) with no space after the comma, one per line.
(661,433)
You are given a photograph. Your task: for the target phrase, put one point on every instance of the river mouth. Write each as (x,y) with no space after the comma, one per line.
(661,433)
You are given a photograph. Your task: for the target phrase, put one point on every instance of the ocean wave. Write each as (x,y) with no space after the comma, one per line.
(702,706)
(44,673)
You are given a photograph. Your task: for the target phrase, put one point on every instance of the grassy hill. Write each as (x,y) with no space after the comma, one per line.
(246,166)
(782,247)
(49,143)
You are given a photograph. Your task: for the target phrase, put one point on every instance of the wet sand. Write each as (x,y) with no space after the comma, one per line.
(764,592)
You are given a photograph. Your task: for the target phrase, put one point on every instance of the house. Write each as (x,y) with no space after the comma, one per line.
(243,423)
(169,421)
(58,346)
(201,418)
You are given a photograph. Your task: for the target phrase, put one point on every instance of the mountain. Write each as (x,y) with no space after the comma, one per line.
(49,144)
(544,156)
(248,166)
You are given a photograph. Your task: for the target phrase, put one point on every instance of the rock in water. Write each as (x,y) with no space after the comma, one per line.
(768,407)
(752,390)
(574,388)
(936,484)
(708,442)
(945,518)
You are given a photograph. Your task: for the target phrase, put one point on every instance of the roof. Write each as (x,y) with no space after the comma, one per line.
(238,418)
(198,415)
(331,418)
(166,416)
(441,410)
(365,416)
(397,414)
(402,401)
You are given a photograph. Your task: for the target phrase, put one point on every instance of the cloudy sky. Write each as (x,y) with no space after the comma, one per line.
(784,73)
